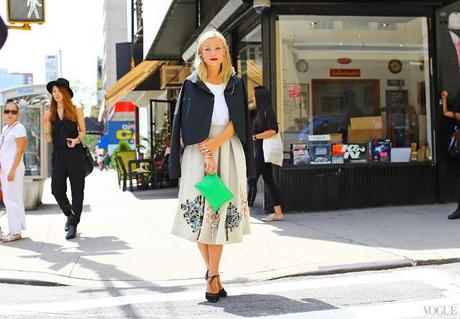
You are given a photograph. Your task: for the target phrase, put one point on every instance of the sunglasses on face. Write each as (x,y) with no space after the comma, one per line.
(14,112)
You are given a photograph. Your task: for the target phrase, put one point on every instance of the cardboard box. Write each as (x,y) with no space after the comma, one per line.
(422,129)
(336,138)
(363,129)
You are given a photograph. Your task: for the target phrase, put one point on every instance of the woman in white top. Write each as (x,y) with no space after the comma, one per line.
(12,147)
(213,96)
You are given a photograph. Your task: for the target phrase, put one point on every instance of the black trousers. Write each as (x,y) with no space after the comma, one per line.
(266,170)
(68,163)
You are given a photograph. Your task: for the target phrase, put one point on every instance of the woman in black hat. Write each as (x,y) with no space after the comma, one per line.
(65,127)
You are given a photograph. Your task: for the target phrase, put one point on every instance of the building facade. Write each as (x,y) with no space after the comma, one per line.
(356,88)
(115,15)
(11,80)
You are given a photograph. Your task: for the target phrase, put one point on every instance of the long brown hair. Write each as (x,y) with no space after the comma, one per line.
(70,113)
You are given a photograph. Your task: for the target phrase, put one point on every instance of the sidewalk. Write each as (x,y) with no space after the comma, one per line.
(124,240)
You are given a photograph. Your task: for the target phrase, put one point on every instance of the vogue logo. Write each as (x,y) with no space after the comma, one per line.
(445,311)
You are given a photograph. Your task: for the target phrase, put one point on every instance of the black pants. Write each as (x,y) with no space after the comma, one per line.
(266,170)
(69,163)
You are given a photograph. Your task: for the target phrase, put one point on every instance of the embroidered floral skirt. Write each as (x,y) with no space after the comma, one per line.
(195,219)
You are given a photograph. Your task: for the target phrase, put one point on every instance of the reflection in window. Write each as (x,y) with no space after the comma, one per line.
(249,62)
(162,127)
(357,80)
(30,118)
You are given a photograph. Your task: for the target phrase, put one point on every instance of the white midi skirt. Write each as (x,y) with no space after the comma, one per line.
(195,219)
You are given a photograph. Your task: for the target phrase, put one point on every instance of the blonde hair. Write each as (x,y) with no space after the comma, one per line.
(226,70)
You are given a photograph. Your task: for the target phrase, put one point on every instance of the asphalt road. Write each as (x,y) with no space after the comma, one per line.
(420,292)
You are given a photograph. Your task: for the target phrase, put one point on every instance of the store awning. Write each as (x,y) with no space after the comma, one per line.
(131,80)
(93,126)
(180,27)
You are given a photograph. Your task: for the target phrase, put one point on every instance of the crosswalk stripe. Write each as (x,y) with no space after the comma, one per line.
(436,278)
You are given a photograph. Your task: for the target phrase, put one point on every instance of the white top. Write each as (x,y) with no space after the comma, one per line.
(220,113)
(8,147)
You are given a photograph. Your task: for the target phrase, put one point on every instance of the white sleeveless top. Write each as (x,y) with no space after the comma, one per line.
(8,146)
(220,112)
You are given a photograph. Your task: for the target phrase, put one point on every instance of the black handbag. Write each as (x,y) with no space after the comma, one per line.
(454,144)
(89,161)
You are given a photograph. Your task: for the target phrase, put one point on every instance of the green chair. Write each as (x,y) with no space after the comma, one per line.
(122,158)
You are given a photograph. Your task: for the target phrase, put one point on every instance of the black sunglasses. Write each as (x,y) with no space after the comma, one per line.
(14,112)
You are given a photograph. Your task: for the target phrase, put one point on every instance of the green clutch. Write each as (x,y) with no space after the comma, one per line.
(214,190)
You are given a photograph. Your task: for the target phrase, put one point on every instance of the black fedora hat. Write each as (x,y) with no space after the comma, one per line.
(59,82)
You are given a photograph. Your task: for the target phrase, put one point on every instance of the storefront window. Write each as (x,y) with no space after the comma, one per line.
(249,61)
(30,118)
(354,89)
(161,126)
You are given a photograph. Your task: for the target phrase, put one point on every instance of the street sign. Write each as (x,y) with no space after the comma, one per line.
(26,11)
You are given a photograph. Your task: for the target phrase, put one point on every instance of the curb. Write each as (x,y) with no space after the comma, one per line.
(30,282)
(360,267)
(332,270)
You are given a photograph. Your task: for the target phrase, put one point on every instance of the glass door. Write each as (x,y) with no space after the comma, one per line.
(161,115)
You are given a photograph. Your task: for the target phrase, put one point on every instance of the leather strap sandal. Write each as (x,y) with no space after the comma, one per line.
(222,292)
(211,296)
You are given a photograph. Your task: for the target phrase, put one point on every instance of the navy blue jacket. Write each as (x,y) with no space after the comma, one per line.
(193,114)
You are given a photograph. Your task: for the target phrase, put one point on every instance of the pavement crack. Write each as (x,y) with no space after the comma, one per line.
(75,263)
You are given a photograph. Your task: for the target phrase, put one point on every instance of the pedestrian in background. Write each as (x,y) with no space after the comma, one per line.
(12,147)
(65,127)
(100,161)
(212,122)
(265,126)
(106,161)
(455,114)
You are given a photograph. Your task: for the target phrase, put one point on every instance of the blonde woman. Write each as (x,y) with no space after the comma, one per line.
(212,123)
(12,147)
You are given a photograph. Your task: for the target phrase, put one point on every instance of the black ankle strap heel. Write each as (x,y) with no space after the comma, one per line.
(222,292)
(211,296)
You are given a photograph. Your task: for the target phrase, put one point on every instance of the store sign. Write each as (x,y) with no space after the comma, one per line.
(120,131)
(125,134)
(395,82)
(293,91)
(344,72)
(344,60)
(26,11)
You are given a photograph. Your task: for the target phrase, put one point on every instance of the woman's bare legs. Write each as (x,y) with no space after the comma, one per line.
(215,254)
(204,253)
(278,211)
(211,255)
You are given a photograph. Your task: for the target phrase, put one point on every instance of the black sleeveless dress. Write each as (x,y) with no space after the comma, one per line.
(68,163)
